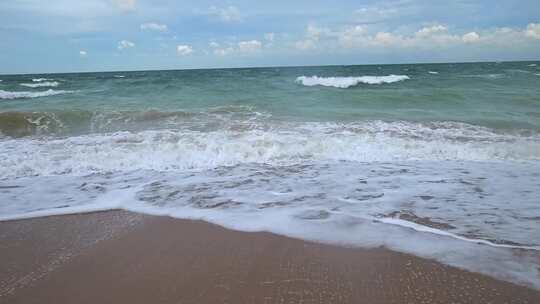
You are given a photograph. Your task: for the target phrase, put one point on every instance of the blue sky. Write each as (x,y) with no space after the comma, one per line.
(98,35)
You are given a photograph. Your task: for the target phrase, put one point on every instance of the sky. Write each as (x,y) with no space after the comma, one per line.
(111,35)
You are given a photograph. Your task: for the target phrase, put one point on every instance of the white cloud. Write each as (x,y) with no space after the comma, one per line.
(126,5)
(385,38)
(372,14)
(305,44)
(270,37)
(152,26)
(125,44)
(312,37)
(471,37)
(432,30)
(83,53)
(315,33)
(224,51)
(350,36)
(249,46)
(226,14)
(533,30)
(363,37)
(242,47)
(184,50)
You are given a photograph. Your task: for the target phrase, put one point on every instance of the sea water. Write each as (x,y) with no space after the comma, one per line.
(438,160)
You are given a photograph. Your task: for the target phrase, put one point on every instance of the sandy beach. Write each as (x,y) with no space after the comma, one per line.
(121,257)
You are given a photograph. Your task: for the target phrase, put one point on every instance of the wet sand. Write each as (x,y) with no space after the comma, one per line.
(121,257)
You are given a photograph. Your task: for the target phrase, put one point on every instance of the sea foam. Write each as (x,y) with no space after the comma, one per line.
(346,82)
(190,149)
(40,84)
(343,203)
(23,94)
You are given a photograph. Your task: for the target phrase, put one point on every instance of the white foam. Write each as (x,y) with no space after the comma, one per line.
(486,76)
(422,228)
(532,65)
(119,76)
(346,82)
(172,150)
(22,94)
(40,84)
(40,79)
(433,72)
(322,201)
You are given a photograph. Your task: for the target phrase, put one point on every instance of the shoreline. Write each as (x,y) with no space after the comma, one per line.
(123,257)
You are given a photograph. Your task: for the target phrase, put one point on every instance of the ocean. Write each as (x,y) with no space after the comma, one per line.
(438,160)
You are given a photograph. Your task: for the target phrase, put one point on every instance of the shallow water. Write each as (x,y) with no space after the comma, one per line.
(441,160)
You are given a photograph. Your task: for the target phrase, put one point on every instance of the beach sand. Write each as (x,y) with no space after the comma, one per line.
(121,257)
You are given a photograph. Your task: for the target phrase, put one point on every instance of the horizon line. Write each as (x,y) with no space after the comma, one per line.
(269,66)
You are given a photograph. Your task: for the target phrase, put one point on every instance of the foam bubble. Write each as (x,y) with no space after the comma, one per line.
(40,84)
(422,228)
(186,149)
(346,82)
(325,201)
(22,94)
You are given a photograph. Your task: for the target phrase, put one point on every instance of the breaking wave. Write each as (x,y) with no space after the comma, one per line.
(346,82)
(40,79)
(23,94)
(41,84)
(192,149)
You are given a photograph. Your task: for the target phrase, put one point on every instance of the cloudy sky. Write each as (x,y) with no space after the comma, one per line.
(99,35)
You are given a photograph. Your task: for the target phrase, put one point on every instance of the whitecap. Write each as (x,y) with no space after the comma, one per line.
(346,82)
(433,72)
(40,79)
(119,76)
(485,76)
(40,84)
(22,94)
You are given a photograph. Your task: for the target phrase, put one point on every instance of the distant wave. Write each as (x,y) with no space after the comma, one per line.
(346,82)
(21,94)
(532,65)
(40,79)
(119,76)
(41,84)
(485,76)
(433,72)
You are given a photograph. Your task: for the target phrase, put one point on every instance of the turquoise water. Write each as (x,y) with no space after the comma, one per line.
(502,96)
(437,160)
